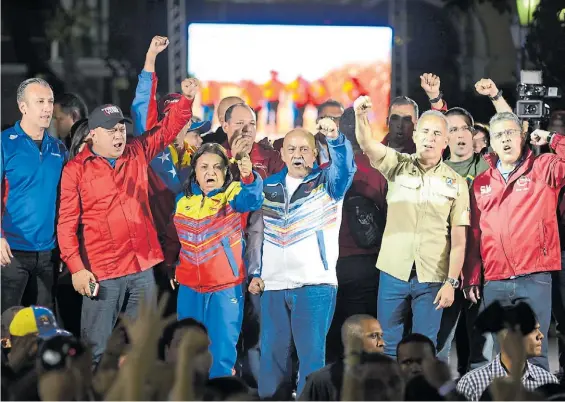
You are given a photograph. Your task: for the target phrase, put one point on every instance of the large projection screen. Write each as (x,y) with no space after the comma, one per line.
(334,62)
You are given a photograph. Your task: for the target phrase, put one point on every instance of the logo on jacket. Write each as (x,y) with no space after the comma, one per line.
(13,137)
(486,190)
(522,183)
(449,182)
(258,166)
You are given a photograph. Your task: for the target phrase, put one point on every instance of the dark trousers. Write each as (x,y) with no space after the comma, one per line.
(68,303)
(272,107)
(558,299)
(358,285)
(249,347)
(298,115)
(116,296)
(534,289)
(34,270)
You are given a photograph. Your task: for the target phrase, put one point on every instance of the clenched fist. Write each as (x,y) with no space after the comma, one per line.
(486,87)
(158,44)
(362,105)
(430,83)
(328,128)
(256,286)
(190,87)
(245,166)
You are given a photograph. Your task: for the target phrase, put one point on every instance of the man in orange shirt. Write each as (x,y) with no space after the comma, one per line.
(299,92)
(272,93)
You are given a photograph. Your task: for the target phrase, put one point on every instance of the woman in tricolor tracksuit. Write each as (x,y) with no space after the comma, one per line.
(210,270)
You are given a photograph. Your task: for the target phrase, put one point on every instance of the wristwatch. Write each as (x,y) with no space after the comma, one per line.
(438,98)
(550,136)
(497,96)
(453,282)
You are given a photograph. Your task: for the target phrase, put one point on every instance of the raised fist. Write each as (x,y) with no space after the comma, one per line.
(430,83)
(244,165)
(327,127)
(486,87)
(158,44)
(362,105)
(190,87)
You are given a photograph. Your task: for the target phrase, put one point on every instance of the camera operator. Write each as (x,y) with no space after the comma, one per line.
(513,243)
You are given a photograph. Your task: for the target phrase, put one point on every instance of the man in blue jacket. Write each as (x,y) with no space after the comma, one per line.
(302,216)
(30,169)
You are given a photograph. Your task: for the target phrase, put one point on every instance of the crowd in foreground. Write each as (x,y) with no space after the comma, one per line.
(270,257)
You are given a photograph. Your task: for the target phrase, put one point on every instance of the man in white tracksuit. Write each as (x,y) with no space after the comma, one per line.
(302,217)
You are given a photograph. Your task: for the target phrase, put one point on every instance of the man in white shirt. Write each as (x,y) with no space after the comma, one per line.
(302,217)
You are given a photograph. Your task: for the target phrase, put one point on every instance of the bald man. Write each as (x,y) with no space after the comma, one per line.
(325,384)
(301,217)
(219,136)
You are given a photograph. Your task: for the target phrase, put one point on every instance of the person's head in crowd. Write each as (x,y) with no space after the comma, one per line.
(172,335)
(35,101)
(7,317)
(557,122)
(367,329)
(210,169)
(481,138)
(532,342)
(507,138)
(80,137)
(461,130)
(402,118)
(224,105)
(36,320)
(240,126)
(347,127)
(191,134)
(299,152)
(68,109)
(411,353)
(431,136)
(331,109)
(166,103)
(380,378)
(108,131)
(69,361)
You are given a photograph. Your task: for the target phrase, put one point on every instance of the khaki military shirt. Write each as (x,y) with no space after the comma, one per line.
(422,207)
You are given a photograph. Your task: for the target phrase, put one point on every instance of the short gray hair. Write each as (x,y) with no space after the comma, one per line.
(402,101)
(435,113)
(505,116)
(22,87)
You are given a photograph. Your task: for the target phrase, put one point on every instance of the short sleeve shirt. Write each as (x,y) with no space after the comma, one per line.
(423,206)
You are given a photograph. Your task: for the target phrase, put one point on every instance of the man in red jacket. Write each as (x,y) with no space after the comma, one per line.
(106,232)
(514,241)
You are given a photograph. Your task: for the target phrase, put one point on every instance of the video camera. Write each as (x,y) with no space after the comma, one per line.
(532,95)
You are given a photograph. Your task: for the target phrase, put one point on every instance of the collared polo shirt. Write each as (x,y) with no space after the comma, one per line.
(423,206)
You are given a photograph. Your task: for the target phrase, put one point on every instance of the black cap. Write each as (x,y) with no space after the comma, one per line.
(106,116)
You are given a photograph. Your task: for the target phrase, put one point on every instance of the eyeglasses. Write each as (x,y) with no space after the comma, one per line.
(454,130)
(511,133)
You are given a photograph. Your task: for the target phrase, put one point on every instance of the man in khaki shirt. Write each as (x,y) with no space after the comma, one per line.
(423,246)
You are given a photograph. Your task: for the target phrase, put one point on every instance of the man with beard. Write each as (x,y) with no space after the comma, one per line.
(301,215)
(423,245)
(30,171)
(513,243)
(106,232)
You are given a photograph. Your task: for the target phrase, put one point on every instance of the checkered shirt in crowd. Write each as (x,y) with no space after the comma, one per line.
(473,384)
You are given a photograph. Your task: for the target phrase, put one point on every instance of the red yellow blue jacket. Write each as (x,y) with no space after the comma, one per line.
(209,228)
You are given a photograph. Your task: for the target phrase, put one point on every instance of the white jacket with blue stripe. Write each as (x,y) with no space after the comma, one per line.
(300,245)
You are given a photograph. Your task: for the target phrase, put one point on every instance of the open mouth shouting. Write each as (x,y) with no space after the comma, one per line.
(119,145)
(298,163)
(507,149)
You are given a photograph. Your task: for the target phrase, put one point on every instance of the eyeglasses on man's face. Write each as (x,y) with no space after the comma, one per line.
(511,133)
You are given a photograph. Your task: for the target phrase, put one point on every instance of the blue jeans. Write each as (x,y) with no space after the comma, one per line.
(396,299)
(118,295)
(302,316)
(535,289)
(222,313)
